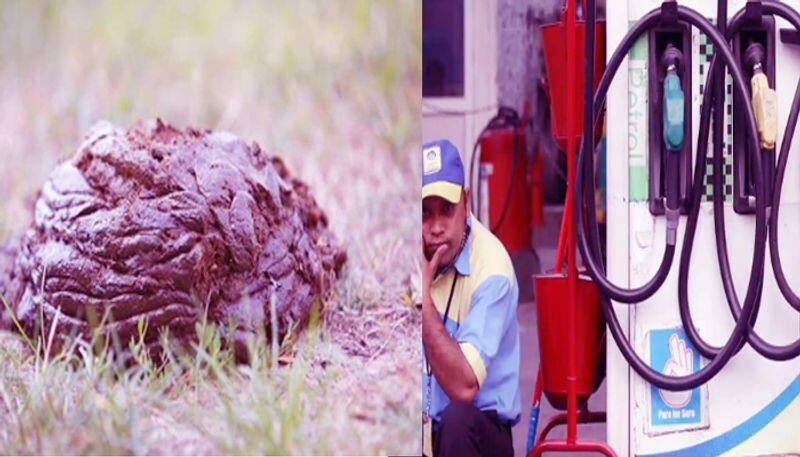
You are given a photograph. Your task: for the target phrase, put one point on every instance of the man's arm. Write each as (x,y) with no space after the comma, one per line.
(453,373)
(447,361)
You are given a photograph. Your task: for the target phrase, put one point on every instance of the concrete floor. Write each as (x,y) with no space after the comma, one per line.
(527,264)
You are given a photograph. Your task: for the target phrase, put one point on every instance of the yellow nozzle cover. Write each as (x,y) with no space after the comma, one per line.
(765,105)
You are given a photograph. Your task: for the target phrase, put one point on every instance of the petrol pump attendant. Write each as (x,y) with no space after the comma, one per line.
(470,333)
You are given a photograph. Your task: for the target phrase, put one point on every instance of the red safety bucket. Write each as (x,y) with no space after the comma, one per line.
(554,42)
(552,299)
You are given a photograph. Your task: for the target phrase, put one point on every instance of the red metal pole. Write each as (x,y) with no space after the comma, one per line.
(523,121)
(572,273)
(562,233)
(567,248)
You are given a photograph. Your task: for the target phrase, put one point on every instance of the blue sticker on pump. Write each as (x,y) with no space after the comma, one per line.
(673,354)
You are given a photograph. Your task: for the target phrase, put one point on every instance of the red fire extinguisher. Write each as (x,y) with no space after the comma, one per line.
(501,199)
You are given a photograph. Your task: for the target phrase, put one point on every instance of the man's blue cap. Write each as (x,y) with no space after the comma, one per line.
(442,171)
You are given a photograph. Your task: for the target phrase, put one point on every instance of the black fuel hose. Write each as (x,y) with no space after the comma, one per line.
(606,287)
(766,349)
(794,300)
(691,227)
(473,198)
(584,179)
(510,188)
(715,76)
(688,238)
(775,258)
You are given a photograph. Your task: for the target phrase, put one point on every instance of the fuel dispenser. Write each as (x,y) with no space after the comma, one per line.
(703,355)
(701,361)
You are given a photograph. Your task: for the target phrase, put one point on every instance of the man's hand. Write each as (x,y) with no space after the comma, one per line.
(429,268)
(452,371)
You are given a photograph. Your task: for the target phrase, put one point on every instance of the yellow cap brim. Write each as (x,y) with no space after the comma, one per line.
(447,190)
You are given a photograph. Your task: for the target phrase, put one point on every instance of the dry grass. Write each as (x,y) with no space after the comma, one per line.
(333,88)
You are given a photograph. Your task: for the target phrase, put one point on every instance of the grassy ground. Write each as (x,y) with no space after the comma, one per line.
(333,88)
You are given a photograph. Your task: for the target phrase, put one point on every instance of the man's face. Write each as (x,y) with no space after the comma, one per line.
(443,224)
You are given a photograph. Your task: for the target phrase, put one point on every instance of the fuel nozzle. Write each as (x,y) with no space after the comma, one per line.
(672,60)
(673,126)
(764,98)
(754,57)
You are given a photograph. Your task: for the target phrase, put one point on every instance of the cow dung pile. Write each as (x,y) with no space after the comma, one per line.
(170,225)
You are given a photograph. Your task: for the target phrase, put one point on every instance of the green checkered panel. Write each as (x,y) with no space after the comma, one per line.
(705,52)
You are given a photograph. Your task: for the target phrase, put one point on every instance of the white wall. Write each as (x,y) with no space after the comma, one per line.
(455,118)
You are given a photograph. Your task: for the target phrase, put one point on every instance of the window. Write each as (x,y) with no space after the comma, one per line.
(442,48)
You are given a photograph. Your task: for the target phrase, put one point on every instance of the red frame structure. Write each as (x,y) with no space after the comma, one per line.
(572,417)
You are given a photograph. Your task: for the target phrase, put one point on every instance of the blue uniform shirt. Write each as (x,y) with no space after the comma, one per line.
(483,320)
